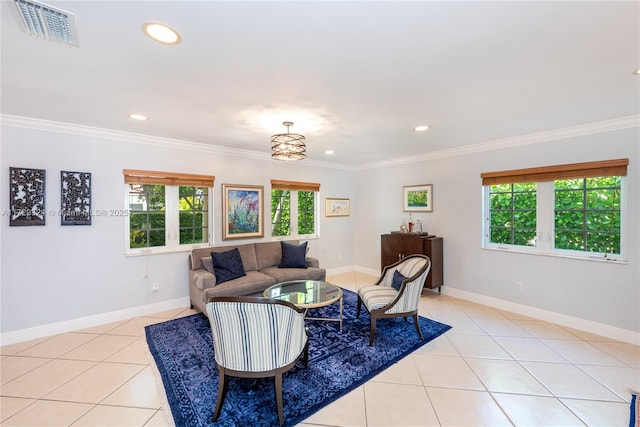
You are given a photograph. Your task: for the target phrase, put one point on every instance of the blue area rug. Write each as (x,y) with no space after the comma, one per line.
(339,361)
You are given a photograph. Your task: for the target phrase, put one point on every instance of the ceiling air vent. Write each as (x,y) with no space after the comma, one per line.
(47,22)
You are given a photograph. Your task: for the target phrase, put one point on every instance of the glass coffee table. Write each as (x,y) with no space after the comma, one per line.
(308,294)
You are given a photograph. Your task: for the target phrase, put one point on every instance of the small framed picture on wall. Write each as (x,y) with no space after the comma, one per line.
(417,198)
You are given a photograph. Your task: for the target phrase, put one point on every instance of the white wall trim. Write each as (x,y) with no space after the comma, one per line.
(601,329)
(13,337)
(516,141)
(351,269)
(369,271)
(156,141)
(536,313)
(548,316)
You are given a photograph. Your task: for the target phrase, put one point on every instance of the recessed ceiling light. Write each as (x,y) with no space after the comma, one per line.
(637,72)
(161,33)
(329,152)
(138,116)
(421,128)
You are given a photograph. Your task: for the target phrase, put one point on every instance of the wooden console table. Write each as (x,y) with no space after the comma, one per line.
(396,246)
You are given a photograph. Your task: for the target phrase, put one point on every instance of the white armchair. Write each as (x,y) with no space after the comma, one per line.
(396,294)
(274,331)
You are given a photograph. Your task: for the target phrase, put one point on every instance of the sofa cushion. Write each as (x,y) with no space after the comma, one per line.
(254,283)
(227,265)
(247,253)
(293,256)
(207,263)
(268,254)
(286,274)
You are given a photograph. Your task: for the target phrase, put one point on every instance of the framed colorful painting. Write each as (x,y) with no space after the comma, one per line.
(417,198)
(243,213)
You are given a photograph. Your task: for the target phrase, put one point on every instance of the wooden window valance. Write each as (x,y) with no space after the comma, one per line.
(277,184)
(617,167)
(132,176)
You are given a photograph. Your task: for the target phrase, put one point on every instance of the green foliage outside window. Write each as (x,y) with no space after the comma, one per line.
(147,219)
(280,213)
(587,214)
(306,212)
(513,214)
(193,211)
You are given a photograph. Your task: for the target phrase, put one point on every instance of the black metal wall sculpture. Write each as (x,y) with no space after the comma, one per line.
(75,198)
(26,194)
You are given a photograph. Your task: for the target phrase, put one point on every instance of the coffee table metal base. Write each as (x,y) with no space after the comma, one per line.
(327,319)
(308,294)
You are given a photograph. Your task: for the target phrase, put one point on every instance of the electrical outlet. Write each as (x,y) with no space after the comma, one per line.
(519,286)
(155,287)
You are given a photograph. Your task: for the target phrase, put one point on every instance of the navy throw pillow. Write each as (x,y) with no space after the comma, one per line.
(293,256)
(227,265)
(397,280)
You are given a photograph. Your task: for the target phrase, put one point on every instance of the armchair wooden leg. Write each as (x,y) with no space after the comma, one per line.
(223,382)
(278,380)
(417,325)
(305,355)
(358,307)
(373,330)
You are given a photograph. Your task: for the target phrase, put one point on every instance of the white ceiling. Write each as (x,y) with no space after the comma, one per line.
(356,77)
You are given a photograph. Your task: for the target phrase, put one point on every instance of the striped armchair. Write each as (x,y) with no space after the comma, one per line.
(382,299)
(253,338)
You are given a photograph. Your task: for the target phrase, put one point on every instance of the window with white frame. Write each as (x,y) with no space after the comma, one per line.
(167,211)
(568,210)
(294,209)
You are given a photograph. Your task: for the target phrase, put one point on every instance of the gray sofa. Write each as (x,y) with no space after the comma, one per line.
(260,262)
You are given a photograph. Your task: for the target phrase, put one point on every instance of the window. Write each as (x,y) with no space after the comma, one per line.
(571,210)
(587,214)
(513,213)
(147,215)
(194,215)
(294,207)
(165,215)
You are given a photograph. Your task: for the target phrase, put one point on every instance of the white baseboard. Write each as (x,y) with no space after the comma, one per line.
(589,326)
(351,269)
(129,313)
(369,271)
(340,270)
(90,321)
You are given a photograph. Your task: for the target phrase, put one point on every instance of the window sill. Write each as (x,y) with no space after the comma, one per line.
(304,237)
(559,255)
(163,250)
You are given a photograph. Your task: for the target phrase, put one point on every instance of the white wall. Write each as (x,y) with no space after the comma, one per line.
(54,274)
(596,291)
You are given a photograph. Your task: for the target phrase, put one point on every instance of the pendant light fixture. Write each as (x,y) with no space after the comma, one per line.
(288,146)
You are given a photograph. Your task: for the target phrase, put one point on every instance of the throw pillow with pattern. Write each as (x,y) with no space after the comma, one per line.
(227,265)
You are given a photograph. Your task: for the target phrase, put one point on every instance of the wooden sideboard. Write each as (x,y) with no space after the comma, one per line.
(396,246)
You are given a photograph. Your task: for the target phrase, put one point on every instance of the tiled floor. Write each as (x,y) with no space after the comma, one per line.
(493,368)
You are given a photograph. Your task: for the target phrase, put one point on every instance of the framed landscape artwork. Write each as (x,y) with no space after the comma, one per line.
(417,198)
(337,207)
(243,213)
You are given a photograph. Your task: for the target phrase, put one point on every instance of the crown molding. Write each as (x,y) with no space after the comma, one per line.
(156,141)
(516,141)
